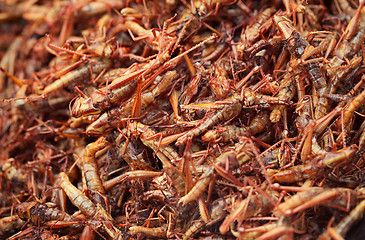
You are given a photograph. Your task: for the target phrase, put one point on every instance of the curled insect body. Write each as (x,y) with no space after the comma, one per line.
(39,211)
(80,200)
(90,170)
(219,83)
(111,119)
(258,123)
(77,75)
(312,168)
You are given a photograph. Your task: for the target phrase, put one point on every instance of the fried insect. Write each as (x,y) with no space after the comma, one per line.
(111,119)
(90,171)
(229,157)
(81,201)
(346,223)
(228,109)
(164,153)
(233,107)
(249,207)
(216,213)
(297,46)
(87,207)
(102,99)
(287,91)
(43,212)
(158,232)
(316,167)
(260,23)
(77,75)
(232,133)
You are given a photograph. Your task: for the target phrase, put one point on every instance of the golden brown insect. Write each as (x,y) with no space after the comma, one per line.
(87,207)
(287,91)
(102,99)
(233,107)
(350,109)
(158,232)
(312,168)
(252,99)
(204,180)
(77,75)
(80,200)
(249,207)
(89,169)
(111,119)
(229,108)
(224,134)
(130,175)
(313,196)
(232,133)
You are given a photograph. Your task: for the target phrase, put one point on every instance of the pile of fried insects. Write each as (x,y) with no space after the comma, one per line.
(201,119)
